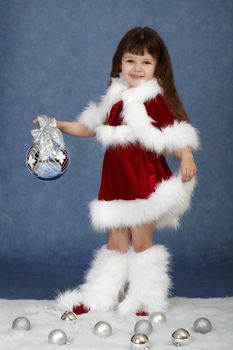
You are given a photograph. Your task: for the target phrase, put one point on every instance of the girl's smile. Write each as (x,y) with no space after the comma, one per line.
(135,68)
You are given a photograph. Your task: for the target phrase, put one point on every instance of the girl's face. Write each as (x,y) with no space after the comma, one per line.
(135,68)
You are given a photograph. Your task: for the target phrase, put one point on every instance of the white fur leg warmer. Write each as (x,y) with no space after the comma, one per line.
(103,282)
(149,281)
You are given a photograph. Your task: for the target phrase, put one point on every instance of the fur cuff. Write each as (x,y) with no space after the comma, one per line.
(149,281)
(103,282)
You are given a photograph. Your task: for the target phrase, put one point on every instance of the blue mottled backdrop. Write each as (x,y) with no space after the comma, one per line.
(55,56)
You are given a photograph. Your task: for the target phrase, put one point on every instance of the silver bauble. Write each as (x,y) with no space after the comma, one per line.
(47,168)
(140,341)
(180,337)
(102,329)
(21,323)
(202,325)
(69,316)
(58,336)
(157,318)
(143,326)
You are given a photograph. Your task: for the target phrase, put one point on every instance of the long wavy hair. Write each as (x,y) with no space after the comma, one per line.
(137,41)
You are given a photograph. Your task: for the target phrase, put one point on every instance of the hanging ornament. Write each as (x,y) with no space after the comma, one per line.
(202,325)
(180,337)
(21,323)
(69,316)
(140,341)
(47,158)
(143,326)
(58,337)
(102,329)
(157,318)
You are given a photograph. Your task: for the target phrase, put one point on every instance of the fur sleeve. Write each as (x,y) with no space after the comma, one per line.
(93,115)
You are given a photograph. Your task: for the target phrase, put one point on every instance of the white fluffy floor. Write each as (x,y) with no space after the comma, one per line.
(182,313)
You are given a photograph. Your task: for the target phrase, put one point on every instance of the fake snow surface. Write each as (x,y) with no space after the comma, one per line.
(182,313)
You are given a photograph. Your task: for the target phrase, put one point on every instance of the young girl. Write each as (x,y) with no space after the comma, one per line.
(139,121)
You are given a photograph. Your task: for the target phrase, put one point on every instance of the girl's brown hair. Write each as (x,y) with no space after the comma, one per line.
(136,41)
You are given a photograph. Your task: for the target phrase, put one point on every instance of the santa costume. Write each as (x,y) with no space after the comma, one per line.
(136,128)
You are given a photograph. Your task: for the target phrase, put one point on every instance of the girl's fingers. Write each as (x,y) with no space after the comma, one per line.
(188,173)
(183,174)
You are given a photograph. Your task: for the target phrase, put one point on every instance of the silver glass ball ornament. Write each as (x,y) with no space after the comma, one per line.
(69,316)
(47,168)
(102,329)
(143,326)
(180,337)
(157,318)
(58,337)
(21,323)
(202,325)
(140,341)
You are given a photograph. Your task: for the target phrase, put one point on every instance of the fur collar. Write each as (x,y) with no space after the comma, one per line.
(120,90)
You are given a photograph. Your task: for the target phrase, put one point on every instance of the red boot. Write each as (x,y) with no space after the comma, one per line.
(80,309)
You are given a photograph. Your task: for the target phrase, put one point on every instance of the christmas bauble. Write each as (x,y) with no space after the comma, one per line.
(21,323)
(157,318)
(58,337)
(202,325)
(143,326)
(180,337)
(140,341)
(102,329)
(47,167)
(69,316)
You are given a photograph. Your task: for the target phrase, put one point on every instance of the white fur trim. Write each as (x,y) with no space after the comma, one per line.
(93,115)
(114,135)
(103,282)
(171,138)
(165,206)
(68,299)
(149,282)
(96,113)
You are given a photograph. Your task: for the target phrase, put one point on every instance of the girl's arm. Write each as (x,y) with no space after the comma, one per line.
(187,165)
(72,128)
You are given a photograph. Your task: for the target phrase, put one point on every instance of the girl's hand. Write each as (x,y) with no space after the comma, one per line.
(187,169)
(35,121)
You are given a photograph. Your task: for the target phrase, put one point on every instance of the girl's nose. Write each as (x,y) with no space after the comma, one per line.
(138,66)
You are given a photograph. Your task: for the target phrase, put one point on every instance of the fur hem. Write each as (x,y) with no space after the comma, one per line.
(164,207)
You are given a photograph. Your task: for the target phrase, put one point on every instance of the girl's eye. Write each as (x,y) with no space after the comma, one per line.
(147,62)
(129,61)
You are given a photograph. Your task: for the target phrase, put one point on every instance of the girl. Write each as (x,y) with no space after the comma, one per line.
(139,121)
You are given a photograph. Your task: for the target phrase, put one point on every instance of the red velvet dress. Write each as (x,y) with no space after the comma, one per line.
(132,172)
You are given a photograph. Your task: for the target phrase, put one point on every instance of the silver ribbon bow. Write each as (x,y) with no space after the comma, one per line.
(47,135)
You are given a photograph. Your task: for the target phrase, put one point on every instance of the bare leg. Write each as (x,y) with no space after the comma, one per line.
(142,237)
(119,239)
